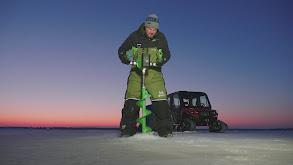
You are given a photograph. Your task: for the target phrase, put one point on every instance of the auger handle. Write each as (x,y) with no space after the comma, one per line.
(132,63)
(135,63)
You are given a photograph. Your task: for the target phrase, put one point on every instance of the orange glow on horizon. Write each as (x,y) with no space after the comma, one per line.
(47,123)
(232,121)
(45,116)
(12,115)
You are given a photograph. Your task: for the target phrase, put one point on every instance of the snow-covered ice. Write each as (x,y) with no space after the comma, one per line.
(91,147)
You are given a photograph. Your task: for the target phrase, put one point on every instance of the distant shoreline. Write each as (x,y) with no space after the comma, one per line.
(117,128)
(65,128)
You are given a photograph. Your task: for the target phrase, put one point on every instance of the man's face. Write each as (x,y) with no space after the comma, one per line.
(150,31)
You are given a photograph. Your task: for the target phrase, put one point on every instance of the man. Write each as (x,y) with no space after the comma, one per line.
(147,39)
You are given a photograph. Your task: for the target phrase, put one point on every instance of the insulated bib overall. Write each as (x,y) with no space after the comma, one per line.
(154,79)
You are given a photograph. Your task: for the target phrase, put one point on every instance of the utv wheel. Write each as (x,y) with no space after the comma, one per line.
(186,125)
(179,129)
(218,127)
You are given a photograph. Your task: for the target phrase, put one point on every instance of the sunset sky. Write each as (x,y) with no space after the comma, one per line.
(59,64)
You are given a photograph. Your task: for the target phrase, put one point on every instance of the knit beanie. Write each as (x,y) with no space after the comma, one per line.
(152,21)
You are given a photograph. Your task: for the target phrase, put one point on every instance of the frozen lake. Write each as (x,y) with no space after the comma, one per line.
(93,147)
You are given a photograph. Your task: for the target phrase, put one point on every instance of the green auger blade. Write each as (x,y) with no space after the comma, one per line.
(147,129)
(140,103)
(147,95)
(145,114)
(144,127)
(140,120)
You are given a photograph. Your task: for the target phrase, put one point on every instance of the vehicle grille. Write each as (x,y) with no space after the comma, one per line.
(205,114)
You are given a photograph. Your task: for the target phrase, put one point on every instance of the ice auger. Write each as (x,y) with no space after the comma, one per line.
(143,63)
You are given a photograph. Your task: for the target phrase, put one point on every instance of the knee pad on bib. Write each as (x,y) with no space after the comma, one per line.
(130,108)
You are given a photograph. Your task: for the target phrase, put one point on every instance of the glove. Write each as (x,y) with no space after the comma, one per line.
(125,60)
(160,63)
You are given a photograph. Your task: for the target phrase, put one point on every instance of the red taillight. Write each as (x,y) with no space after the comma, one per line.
(194,113)
(215,114)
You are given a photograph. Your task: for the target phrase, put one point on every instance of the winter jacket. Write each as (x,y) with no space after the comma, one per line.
(140,37)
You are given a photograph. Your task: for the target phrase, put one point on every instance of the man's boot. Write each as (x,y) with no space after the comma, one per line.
(130,113)
(164,122)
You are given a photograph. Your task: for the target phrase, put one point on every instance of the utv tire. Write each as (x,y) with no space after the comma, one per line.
(186,125)
(218,127)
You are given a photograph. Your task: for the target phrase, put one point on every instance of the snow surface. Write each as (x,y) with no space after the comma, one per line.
(91,147)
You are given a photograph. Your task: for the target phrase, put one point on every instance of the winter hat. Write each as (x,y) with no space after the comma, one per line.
(152,21)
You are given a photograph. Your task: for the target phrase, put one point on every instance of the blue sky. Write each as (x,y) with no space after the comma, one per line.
(58,59)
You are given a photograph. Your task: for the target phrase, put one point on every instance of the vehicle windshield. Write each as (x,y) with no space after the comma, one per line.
(195,100)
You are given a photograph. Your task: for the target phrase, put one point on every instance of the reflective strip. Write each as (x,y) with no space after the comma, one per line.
(160,100)
(131,99)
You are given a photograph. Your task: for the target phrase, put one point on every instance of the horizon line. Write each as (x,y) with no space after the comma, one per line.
(117,128)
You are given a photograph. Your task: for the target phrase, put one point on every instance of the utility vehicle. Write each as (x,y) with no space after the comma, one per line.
(188,110)
(191,109)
